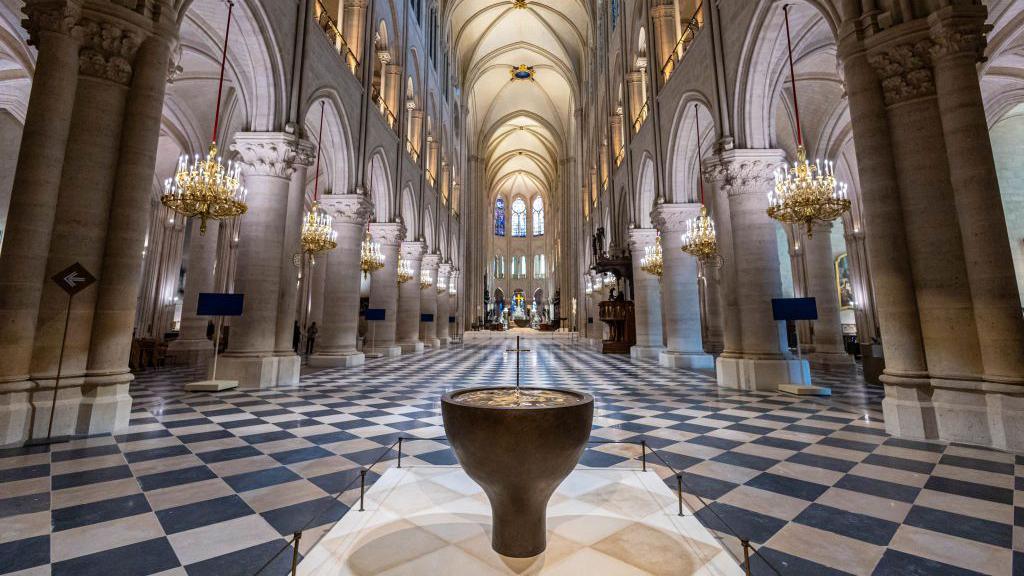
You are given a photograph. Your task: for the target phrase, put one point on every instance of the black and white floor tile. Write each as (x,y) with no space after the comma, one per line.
(216,483)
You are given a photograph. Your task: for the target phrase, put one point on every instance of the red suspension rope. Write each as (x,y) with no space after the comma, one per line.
(223,63)
(319,147)
(792,79)
(700,179)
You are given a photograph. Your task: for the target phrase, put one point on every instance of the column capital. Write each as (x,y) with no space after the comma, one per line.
(413,251)
(745,171)
(671,218)
(57,16)
(305,153)
(387,233)
(267,153)
(108,48)
(444,270)
(347,208)
(905,70)
(959,30)
(640,238)
(431,261)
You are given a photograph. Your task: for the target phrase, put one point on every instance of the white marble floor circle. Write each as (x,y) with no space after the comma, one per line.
(435,520)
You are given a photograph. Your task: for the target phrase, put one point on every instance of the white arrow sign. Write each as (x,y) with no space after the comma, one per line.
(73,279)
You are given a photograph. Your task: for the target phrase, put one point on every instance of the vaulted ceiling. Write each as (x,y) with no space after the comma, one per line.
(521,127)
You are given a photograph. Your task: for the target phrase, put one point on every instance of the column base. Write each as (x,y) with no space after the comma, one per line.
(762,374)
(832,361)
(106,405)
(191,353)
(15,412)
(645,352)
(382,351)
(443,342)
(259,372)
(411,347)
(432,343)
(347,359)
(686,360)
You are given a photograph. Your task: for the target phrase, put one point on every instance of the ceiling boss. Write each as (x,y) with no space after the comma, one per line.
(522,72)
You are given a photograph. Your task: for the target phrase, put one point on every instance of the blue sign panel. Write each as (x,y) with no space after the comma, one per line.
(451,319)
(426,317)
(376,314)
(794,309)
(211,304)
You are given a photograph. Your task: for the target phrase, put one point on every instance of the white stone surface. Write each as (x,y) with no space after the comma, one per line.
(436,520)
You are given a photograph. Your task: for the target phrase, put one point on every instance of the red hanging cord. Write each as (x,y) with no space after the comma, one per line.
(792,79)
(700,180)
(319,147)
(223,63)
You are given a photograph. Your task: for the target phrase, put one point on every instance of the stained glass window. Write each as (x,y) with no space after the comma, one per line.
(499,216)
(519,218)
(538,216)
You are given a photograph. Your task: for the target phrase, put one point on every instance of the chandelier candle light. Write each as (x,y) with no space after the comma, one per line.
(425,280)
(318,233)
(205,187)
(700,239)
(371,258)
(805,193)
(404,271)
(653,261)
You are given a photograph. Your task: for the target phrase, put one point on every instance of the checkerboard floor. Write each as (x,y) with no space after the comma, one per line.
(216,483)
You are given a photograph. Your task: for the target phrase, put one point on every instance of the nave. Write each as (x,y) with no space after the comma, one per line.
(217,483)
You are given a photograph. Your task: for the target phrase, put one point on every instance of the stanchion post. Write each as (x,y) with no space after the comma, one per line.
(643,454)
(362,488)
(679,492)
(399,451)
(746,555)
(295,553)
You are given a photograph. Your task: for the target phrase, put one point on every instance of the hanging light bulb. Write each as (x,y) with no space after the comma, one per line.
(700,239)
(653,261)
(205,187)
(404,271)
(805,193)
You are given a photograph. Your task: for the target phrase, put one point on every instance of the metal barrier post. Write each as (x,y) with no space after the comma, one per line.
(362,488)
(295,554)
(643,453)
(679,492)
(746,555)
(399,451)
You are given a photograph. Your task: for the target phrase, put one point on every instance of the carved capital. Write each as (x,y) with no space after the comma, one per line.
(388,233)
(671,218)
(953,36)
(444,271)
(431,261)
(57,16)
(267,153)
(305,153)
(744,171)
(905,71)
(413,251)
(108,49)
(640,238)
(347,208)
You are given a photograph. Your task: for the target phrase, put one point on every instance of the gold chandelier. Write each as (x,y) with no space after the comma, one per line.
(700,239)
(371,258)
(653,261)
(425,280)
(205,187)
(404,271)
(318,233)
(442,284)
(805,193)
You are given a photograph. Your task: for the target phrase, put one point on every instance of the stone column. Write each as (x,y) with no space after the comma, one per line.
(959,37)
(339,331)
(441,320)
(680,292)
(384,290)
(316,293)
(34,201)
(634,83)
(395,88)
(616,122)
(714,332)
(646,299)
(415,128)
(829,350)
(251,358)
(353,23)
(192,346)
(80,228)
(428,302)
(758,360)
(907,405)
(292,245)
(408,329)
(454,309)
(664,34)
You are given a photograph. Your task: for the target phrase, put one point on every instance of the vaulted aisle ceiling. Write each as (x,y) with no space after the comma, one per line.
(521,127)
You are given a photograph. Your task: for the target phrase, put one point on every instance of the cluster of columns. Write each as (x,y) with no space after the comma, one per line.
(945,293)
(88,149)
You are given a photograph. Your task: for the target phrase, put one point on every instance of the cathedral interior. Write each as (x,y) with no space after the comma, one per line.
(247,246)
